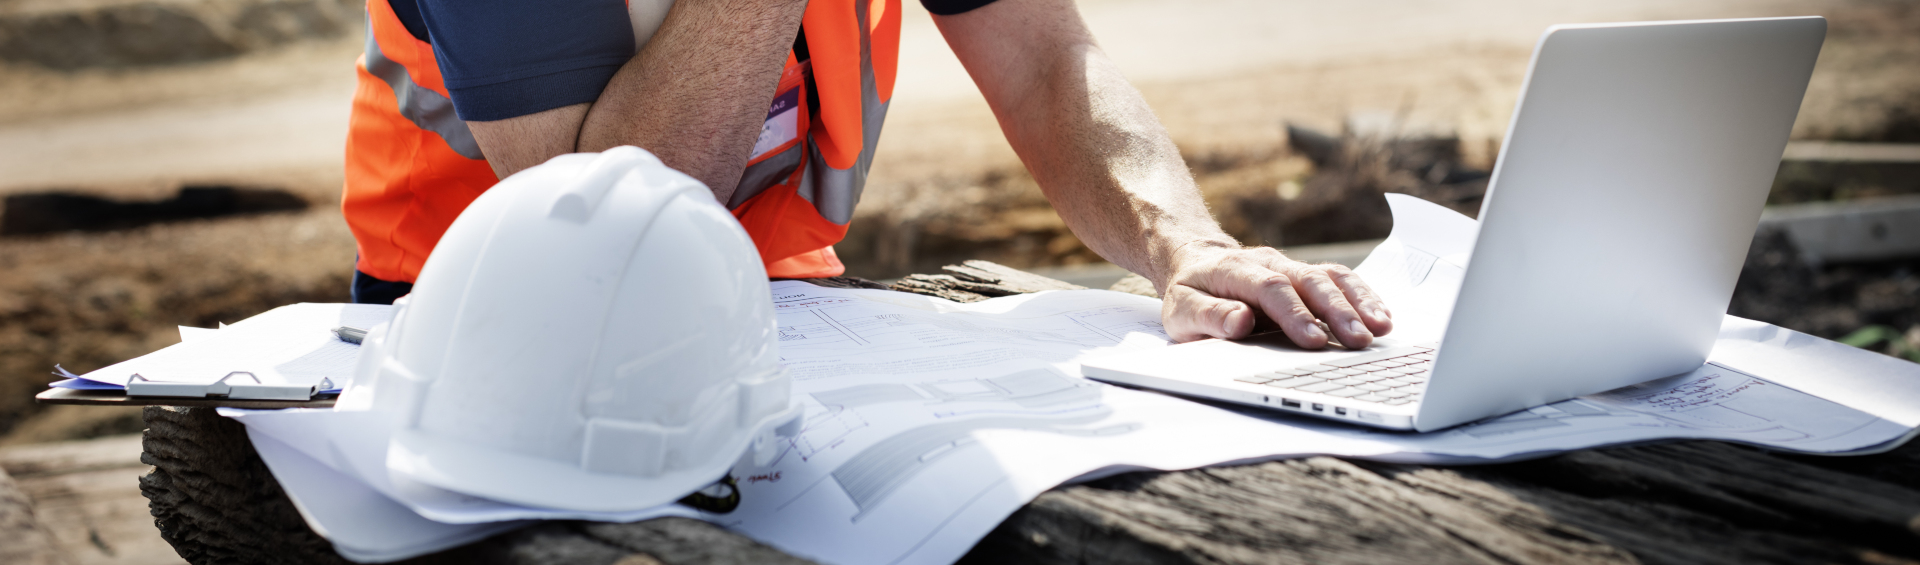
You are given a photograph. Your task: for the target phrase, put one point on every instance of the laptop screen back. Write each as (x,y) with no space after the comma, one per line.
(1620,210)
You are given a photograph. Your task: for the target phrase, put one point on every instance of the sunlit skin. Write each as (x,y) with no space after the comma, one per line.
(696,96)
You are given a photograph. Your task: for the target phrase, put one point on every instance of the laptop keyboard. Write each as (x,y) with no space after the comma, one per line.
(1391,376)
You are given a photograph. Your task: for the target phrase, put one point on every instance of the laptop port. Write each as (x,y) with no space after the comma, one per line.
(1318,407)
(1294,404)
(1340,411)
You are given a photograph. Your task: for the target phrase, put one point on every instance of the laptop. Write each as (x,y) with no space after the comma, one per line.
(1617,219)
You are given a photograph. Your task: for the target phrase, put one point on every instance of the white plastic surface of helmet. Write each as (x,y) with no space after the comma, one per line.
(594,333)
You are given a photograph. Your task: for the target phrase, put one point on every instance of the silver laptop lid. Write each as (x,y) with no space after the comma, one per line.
(1620,209)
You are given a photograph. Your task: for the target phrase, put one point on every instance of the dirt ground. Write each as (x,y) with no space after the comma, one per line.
(1223,75)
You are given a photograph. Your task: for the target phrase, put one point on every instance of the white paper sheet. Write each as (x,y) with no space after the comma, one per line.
(1877,384)
(1417,270)
(190,333)
(355,443)
(1712,402)
(286,345)
(341,507)
(929,422)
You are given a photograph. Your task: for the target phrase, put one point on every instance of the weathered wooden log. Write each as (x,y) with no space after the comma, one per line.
(1686,502)
(973,281)
(214,499)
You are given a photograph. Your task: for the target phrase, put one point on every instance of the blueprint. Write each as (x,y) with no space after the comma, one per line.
(1712,402)
(928,422)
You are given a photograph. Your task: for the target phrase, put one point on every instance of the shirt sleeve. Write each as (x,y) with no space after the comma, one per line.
(951,7)
(509,58)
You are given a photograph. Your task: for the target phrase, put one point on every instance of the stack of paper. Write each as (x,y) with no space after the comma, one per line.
(929,422)
(289,346)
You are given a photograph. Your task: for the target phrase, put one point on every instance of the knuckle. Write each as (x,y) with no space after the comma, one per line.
(1220,309)
(1299,311)
(1273,281)
(1320,281)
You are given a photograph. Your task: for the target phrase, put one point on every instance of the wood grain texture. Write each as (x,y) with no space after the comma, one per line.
(974,281)
(214,499)
(1687,502)
(1674,503)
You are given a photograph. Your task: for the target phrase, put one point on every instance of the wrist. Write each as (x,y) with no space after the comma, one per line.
(1190,252)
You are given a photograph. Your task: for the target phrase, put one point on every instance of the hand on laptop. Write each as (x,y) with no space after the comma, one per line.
(1213,286)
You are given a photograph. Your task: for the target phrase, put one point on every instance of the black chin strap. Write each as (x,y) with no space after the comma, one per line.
(717,504)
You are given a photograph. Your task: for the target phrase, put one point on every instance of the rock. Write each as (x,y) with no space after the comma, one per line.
(86,501)
(23,540)
(1342,200)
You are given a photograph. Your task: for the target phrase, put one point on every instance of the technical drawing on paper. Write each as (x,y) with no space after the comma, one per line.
(814,323)
(1116,322)
(870,476)
(1550,416)
(1708,400)
(822,431)
(1036,399)
(815,328)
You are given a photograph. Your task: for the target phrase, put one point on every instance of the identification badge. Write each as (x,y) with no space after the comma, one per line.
(784,122)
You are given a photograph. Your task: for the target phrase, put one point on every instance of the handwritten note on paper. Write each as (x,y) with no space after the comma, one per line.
(1709,389)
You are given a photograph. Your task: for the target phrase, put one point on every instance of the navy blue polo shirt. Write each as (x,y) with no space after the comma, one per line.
(504,58)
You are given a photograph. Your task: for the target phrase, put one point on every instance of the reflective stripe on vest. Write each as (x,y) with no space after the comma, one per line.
(412,164)
(430,110)
(797,203)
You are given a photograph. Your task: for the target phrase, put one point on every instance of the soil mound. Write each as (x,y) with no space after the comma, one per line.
(68,35)
(49,212)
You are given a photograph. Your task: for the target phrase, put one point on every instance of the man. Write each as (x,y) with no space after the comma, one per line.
(457,94)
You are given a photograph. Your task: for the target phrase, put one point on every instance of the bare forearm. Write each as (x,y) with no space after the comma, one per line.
(1096,149)
(697,94)
(1109,167)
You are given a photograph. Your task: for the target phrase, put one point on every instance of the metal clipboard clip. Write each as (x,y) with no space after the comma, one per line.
(256,390)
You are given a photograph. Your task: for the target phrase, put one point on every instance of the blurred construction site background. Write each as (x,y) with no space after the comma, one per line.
(178,162)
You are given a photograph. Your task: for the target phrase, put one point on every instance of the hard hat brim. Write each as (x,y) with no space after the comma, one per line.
(515,478)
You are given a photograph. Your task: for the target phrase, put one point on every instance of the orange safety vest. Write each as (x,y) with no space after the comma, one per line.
(412,166)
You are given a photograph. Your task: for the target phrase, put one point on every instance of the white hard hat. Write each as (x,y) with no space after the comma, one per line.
(595,333)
